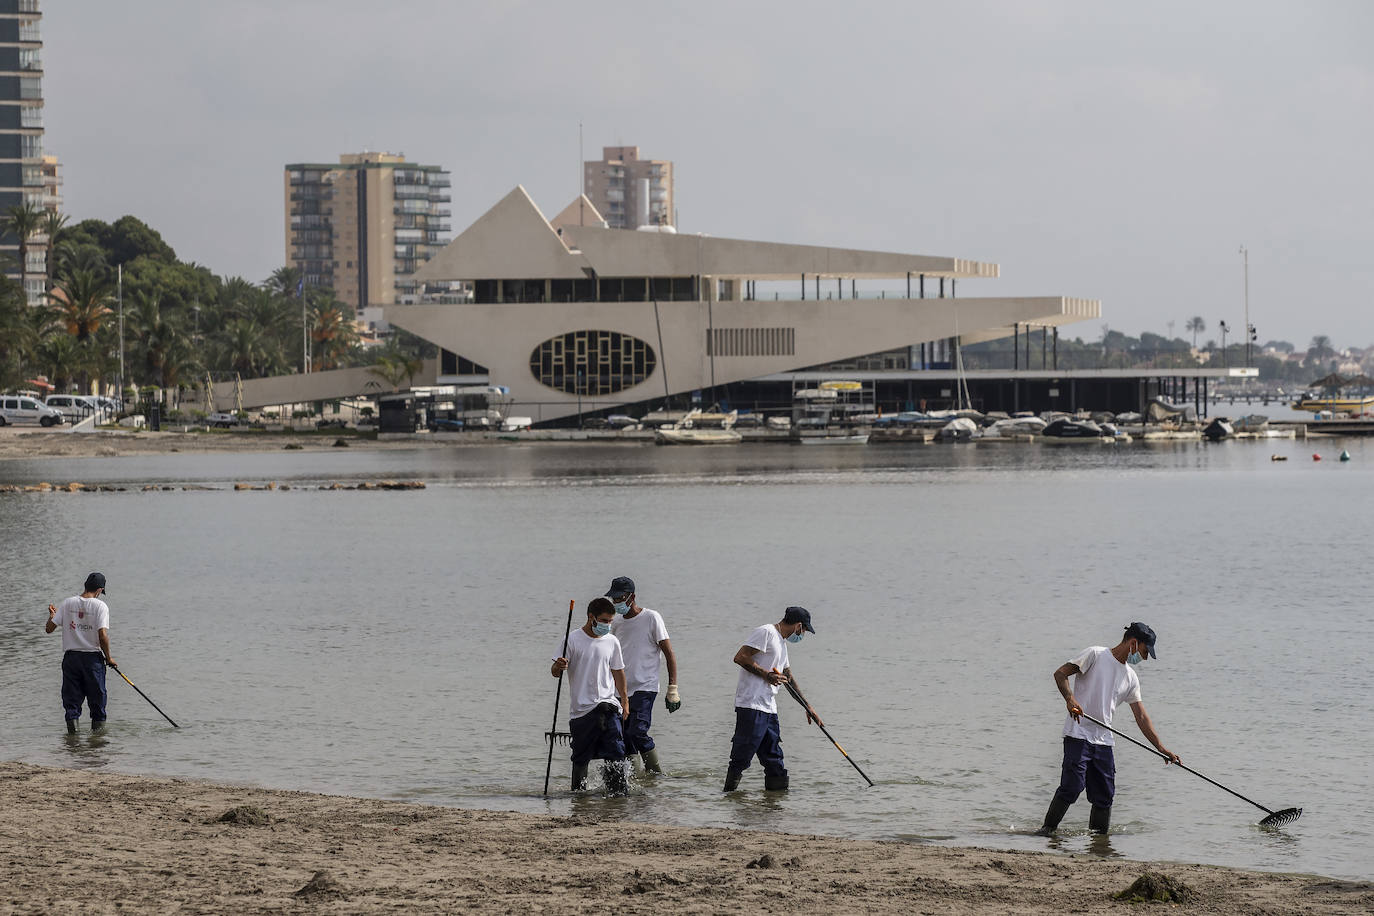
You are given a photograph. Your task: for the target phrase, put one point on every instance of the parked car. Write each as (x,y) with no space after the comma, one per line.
(331,423)
(19,409)
(72,406)
(222,420)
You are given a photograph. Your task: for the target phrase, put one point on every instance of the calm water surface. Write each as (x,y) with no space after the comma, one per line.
(396,644)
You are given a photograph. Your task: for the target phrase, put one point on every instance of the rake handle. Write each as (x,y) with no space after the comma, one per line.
(1179,765)
(796,695)
(145,696)
(557,696)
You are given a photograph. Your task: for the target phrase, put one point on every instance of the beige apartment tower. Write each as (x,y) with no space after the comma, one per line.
(630,192)
(361,227)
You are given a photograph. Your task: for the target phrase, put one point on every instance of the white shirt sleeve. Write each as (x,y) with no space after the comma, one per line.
(1133,695)
(759,639)
(660,629)
(1084,660)
(617,659)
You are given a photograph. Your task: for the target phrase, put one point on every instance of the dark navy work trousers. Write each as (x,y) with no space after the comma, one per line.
(637,738)
(1090,766)
(83,678)
(597,735)
(757,734)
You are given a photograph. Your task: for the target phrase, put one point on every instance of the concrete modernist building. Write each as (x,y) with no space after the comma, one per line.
(575,317)
(628,191)
(361,227)
(21,126)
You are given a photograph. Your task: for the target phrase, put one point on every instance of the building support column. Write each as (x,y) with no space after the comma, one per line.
(1056,348)
(1015,345)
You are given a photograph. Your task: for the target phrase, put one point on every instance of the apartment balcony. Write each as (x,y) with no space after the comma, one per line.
(313,194)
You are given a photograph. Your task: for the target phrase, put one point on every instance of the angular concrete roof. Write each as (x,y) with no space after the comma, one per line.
(514,241)
(581,212)
(510,241)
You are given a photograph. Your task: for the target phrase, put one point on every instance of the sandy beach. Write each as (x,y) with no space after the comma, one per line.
(31,443)
(85,841)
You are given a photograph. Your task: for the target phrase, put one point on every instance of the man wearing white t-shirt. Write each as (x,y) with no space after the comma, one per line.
(765,667)
(643,636)
(1103,679)
(596,693)
(85,623)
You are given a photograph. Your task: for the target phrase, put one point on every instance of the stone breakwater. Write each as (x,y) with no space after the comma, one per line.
(76,487)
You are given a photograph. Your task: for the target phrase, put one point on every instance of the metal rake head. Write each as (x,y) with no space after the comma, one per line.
(1279,818)
(560,737)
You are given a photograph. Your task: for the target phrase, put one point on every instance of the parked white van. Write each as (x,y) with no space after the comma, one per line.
(20,409)
(72,406)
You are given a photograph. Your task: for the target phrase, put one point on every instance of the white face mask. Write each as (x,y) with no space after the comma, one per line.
(622,608)
(601,629)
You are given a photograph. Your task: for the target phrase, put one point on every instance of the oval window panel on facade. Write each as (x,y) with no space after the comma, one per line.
(592,363)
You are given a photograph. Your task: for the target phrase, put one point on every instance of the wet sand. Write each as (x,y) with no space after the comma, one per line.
(84,841)
(30,443)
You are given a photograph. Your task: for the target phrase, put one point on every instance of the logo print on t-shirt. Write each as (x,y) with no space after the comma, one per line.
(81,613)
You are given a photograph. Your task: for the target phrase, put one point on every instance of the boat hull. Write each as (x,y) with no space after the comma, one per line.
(697,437)
(1337,405)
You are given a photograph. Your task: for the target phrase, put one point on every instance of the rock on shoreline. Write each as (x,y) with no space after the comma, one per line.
(86,841)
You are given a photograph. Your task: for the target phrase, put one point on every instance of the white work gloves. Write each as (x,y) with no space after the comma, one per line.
(671,699)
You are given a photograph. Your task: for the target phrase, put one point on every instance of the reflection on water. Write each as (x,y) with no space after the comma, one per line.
(396,645)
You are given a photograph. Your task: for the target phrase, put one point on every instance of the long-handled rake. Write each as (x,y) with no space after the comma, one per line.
(145,696)
(796,695)
(553,734)
(1274,819)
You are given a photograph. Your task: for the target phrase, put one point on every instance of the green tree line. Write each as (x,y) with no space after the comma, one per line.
(181,320)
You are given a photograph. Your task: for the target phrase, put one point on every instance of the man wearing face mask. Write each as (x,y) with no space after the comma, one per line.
(1103,678)
(642,636)
(596,696)
(765,667)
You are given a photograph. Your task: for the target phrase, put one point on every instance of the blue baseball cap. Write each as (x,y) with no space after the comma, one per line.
(620,587)
(799,615)
(1143,633)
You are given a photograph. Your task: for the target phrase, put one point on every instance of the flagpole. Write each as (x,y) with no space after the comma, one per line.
(119,296)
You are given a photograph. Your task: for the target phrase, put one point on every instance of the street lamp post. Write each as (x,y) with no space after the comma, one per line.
(1245,255)
(1225,360)
(119,297)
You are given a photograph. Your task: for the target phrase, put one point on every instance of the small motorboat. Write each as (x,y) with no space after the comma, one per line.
(1067,428)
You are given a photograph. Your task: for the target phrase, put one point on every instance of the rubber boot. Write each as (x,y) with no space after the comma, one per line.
(651,761)
(71,726)
(1058,808)
(775,783)
(579,777)
(613,774)
(732,778)
(1100,818)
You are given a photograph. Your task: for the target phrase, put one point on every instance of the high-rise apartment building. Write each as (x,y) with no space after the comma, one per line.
(628,191)
(21,129)
(361,227)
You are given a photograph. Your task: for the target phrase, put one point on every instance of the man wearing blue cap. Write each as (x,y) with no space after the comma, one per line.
(764,668)
(1103,678)
(85,623)
(643,637)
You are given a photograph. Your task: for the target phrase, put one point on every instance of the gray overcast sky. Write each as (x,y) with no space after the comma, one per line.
(1107,150)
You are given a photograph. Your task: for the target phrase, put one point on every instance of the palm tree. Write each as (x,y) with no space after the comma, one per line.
(245,348)
(82,300)
(284,281)
(61,358)
(1197,326)
(49,227)
(334,336)
(160,341)
(23,222)
(394,367)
